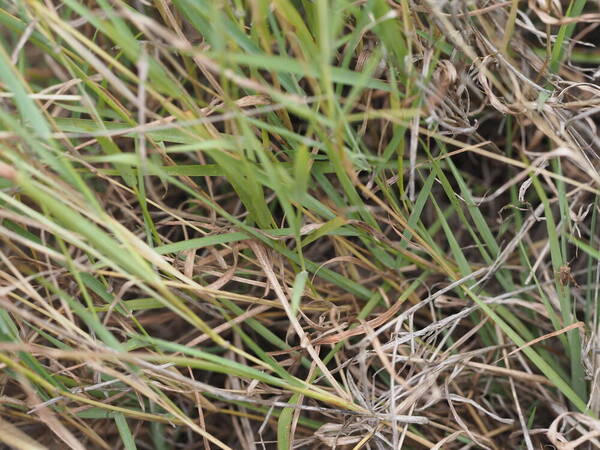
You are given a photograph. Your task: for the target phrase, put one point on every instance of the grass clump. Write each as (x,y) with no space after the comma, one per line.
(299,224)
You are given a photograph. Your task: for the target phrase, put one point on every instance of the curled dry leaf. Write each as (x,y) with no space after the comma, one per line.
(493,98)
(445,76)
(561,440)
(546,14)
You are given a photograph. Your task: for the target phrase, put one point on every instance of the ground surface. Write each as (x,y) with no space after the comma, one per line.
(292,223)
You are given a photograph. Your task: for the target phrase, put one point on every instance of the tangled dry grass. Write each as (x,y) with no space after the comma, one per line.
(299,224)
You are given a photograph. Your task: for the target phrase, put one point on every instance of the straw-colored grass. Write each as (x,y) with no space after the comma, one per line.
(299,224)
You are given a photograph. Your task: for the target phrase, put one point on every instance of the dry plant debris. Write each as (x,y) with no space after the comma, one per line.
(299,224)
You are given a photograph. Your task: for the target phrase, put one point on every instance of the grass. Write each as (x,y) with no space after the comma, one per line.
(298,224)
